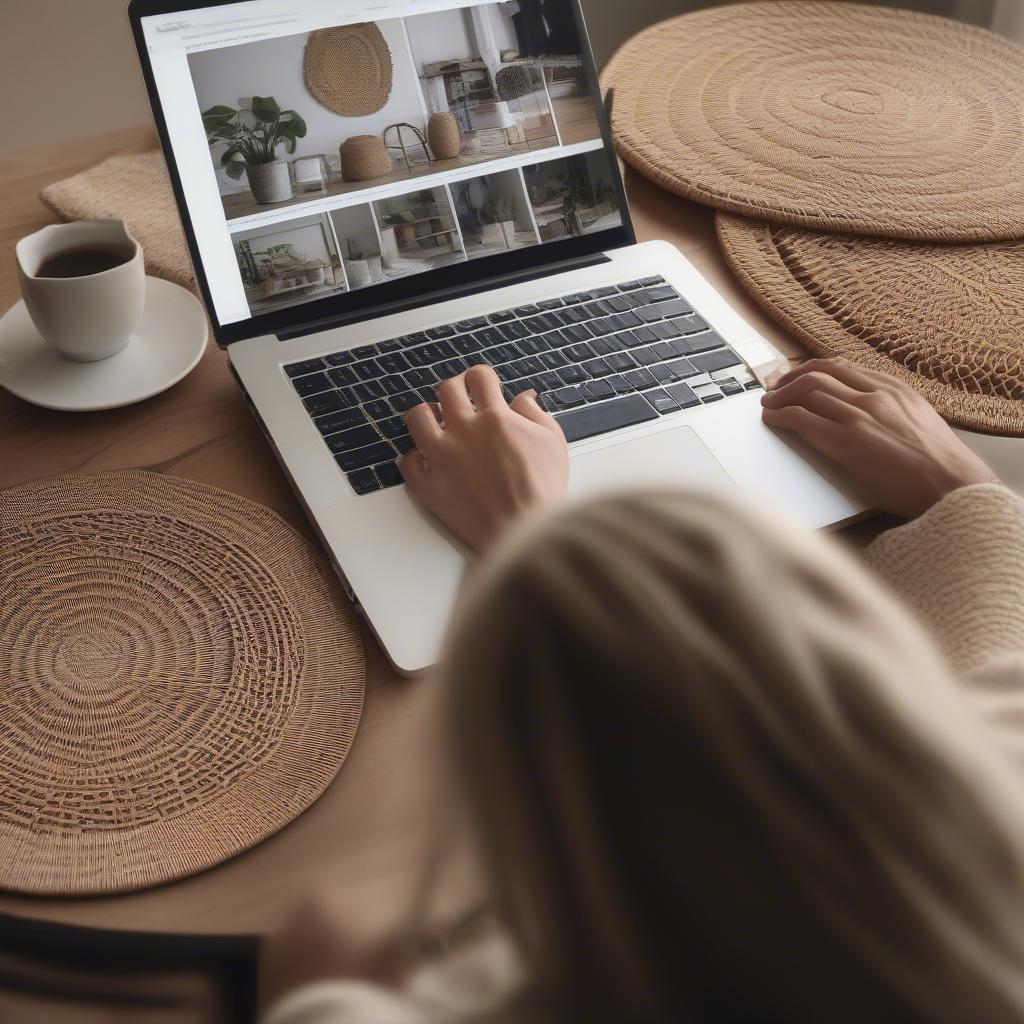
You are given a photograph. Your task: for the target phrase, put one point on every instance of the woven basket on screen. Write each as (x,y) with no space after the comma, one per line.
(513,82)
(182,677)
(444,136)
(348,69)
(364,157)
(947,319)
(830,115)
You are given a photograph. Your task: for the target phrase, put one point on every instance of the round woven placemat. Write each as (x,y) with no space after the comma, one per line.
(348,69)
(182,677)
(830,115)
(947,319)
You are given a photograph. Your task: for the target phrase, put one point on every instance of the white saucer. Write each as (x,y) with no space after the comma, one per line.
(168,345)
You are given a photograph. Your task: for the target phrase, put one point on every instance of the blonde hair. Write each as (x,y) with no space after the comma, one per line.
(717,774)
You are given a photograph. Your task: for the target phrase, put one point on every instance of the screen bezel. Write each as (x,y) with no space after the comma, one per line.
(421,289)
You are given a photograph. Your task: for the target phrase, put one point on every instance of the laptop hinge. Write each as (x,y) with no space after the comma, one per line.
(431,298)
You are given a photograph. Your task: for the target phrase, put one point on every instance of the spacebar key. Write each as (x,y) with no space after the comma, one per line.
(599,419)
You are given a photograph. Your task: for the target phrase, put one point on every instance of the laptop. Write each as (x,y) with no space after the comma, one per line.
(378,196)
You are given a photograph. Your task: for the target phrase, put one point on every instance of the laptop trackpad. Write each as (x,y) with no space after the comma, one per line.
(675,457)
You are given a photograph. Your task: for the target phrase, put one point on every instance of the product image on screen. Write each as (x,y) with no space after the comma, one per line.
(364,152)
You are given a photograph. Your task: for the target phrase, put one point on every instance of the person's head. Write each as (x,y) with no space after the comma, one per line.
(717,774)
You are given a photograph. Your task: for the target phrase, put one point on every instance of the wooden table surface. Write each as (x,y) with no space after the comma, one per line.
(366,836)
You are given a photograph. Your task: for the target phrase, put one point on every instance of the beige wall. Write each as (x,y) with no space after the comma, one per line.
(68,67)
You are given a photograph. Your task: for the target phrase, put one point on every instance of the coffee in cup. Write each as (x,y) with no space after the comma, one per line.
(84,286)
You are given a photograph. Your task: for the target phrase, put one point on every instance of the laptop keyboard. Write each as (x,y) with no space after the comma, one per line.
(599,360)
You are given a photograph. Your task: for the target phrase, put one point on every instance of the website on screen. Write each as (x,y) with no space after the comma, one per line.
(322,153)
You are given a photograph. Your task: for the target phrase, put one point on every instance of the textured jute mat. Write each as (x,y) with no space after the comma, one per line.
(947,319)
(348,69)
(134,188)
(829,115)
(182,677)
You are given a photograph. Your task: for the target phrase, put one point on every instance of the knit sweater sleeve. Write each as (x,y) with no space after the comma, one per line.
(960,567)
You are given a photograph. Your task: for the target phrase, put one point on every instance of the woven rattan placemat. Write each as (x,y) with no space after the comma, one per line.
(829,115)
(349,69)
(134,188)
(947,319)
(182,678)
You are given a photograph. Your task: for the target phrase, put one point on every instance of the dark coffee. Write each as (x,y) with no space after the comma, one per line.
(82,262)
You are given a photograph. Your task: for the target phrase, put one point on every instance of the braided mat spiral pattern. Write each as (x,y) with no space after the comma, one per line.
(831,115)
(181,676)
(349,69)
(947,319)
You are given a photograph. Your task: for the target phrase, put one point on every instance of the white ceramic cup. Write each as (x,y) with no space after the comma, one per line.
(84,318)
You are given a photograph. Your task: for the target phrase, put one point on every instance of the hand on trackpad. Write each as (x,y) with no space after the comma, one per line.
(673,457)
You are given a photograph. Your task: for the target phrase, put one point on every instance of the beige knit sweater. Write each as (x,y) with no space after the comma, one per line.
(960,567)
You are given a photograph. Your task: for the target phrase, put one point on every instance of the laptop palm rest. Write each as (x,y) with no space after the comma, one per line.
(673,457)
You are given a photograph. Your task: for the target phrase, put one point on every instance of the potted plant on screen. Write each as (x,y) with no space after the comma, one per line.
(252,136)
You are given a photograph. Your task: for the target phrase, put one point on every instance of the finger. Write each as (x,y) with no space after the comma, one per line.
(526,405)
(850,375)
(822,434)
(885,378)
(424,427)
(809,390)
(453,398)
(484,387)
(413,467)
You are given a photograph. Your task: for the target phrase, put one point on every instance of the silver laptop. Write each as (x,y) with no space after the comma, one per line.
(373,206)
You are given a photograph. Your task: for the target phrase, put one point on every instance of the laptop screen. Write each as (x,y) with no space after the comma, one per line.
(324,156)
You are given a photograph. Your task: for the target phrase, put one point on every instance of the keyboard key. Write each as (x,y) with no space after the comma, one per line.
(645,356)
(661,373)
(364,351)
(368,390)
(604,292)
(708,393)
(326,401)
(368,369)
(708,362)
(392,428)
(661,293)
(364,481)
(403,403)
(691,324)
(606,325)
(704,342)
(306,366)
(420,378)
(491,336)
(578,353)
(681,368)
(624,321)
(464,326)
(416,339)
(596,368)
(602,346)
(629,286)
(393,385)
(379,410)
(677,307)
(522,311)
(517,387)
(683,395)
(440,333)
(450,367)
(565,398)
(661,401)
(620,303)
(571,316)
(599,419)
(665,329)
(649,314)
(534,346)
(311,384)
(554,360)
(427,395)
(621,361)
(576,374)
(349,440)
(664,350)
(650,282)
(640,379)
(343,420)
(549,304)
(342,376)
(467,344)
(577,332)
(527,367)
(505,373)
(514,331)
(546,381)
(404,444)
(598,389)
(389,346)
(503,317)
(393,362)
(388,475)
(752,385)
(339,359)
(363,458)
(730,387)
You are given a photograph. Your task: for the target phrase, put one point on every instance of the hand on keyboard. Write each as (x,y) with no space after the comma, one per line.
(900,454)
(480,461)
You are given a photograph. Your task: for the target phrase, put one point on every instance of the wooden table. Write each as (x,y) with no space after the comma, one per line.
(366,836)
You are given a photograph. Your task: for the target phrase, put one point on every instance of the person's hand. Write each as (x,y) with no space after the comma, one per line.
(900,454)
(480,461)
